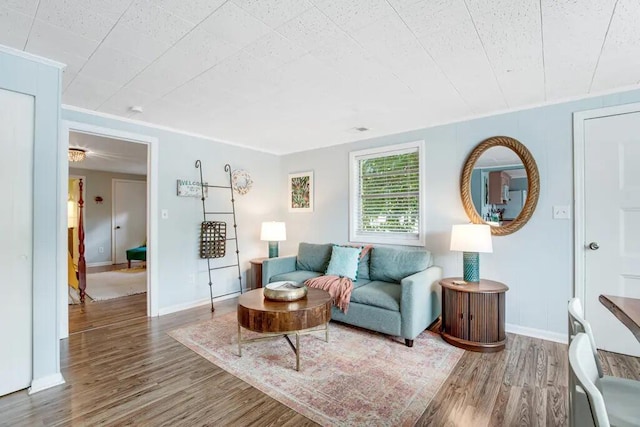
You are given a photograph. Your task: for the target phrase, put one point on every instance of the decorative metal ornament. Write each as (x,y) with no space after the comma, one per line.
(241,181)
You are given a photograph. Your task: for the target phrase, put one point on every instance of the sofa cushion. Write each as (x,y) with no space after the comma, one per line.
(379,294)
(360,282)
(363,265)
(394,264)
(298,276)
(313,257)
(344,262)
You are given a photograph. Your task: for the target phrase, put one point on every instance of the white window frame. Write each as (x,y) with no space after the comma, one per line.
(354,202)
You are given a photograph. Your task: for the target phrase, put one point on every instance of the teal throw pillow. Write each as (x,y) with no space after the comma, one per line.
(344,262)
(313,256)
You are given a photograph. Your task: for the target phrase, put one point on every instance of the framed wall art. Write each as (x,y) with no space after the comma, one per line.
(301,192)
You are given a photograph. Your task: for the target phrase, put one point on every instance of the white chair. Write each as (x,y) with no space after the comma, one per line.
(585,374)
(577,324)
(621,395)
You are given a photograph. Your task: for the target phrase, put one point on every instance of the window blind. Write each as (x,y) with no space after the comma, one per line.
(389,193)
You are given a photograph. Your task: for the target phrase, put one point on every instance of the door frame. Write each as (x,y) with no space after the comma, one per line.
(152,143)
(113,214)
(579,210)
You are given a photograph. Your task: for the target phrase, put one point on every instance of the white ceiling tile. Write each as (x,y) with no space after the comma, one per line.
(87,92)
(619,64)
(573,35)
(79,17)
(197,52)
(62,45)
(27,7)
(134,42)
(274,49)
(14,28)
(113,66)
(158,80)
(426,79)
(274,12)
(389,40)
(449,36)
(235,25)
(514,47)
(193,10)
(310,30)
(155,22)
(67,77)
(354,14)
(121,102)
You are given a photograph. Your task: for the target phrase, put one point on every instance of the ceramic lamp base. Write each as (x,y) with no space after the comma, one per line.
(273,249)
(471,266)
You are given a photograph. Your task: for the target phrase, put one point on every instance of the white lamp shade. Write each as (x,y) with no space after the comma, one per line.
(471,238)
(273,231)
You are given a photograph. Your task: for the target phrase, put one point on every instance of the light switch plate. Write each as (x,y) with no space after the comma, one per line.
(562,212)
(164,213)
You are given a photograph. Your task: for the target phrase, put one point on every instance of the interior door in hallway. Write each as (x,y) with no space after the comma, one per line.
(129,217)
(16,247)
(612,224)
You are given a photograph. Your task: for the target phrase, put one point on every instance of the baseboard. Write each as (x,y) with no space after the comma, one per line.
(194,304)
(44,383)
(99,264)
(536,333)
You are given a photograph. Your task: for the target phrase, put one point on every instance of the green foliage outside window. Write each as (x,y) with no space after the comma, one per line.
(390,194)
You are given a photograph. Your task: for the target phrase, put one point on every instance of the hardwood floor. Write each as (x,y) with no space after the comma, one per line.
(132,373)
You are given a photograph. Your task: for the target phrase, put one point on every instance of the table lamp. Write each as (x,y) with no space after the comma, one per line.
(471,239)
(273,232)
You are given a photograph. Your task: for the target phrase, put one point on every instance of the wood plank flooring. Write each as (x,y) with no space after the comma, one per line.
(130,372)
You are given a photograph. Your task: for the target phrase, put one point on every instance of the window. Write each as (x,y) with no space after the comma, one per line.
(386,195)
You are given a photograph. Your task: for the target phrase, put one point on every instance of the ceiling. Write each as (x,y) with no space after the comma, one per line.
(291,75)
(109,155)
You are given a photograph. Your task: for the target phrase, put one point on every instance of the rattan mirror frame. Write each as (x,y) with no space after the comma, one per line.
(533,178)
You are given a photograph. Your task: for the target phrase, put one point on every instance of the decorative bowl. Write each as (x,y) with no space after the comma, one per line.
(284,291)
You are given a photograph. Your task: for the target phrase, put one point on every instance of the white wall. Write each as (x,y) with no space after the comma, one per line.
(30,75)
(536,262)
(182,274)
(97,216)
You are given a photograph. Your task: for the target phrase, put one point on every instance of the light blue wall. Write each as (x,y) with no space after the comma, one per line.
(182,275)
(97,216)
(43,82)
(536,262)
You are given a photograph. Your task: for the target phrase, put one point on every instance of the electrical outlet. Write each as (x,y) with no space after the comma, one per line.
(562,212)
(164,213)
(100,250)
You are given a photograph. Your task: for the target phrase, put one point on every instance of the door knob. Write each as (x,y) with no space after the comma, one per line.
(117,227)
(594,246)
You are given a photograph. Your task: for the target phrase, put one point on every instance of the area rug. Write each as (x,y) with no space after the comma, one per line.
(116,284)
(357,378)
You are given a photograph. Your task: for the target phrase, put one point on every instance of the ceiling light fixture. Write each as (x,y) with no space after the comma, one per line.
(77,154)
(135,109)
(361,129)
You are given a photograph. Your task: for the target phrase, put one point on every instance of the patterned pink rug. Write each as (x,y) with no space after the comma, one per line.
(357,378)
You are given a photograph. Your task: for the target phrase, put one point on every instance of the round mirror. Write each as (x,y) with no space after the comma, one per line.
(500,185)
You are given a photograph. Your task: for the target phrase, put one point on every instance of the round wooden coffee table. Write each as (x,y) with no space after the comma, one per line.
(280,318)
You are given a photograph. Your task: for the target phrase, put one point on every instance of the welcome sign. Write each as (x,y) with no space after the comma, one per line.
(188,188)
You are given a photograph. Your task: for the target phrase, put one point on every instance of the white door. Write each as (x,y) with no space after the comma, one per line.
(612,222)
(129,216)
(16,247)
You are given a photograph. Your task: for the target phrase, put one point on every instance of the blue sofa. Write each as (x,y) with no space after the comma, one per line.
(397,291)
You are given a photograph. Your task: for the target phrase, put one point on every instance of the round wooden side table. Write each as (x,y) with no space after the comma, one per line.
(284,318)
(473,314)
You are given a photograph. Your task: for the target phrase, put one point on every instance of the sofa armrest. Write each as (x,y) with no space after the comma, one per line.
(274,266)
(420,301)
